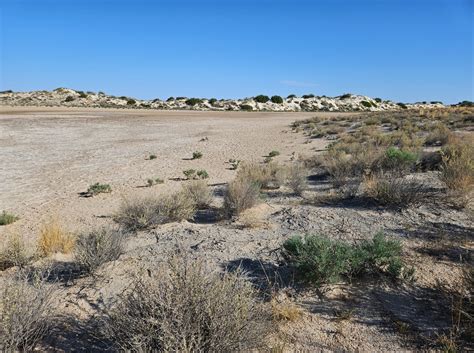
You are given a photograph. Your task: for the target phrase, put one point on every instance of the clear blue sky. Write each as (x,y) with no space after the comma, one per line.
(405,50)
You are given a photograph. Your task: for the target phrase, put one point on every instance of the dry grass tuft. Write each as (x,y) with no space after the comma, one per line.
(241,193)
(296,178)
(186,308)
(26,312)
(142,213)
(269,175)
(54,239)
(285,310)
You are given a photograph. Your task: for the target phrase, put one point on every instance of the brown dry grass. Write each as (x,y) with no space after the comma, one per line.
(53,238)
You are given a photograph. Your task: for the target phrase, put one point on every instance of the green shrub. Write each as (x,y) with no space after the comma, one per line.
(69,99)
(98,188)
(398,160)
(170,99)
(197,155)
(320,260)
(402,105)
(155,181)
(98,247)
(261,98)
(306,96)
(152,156)
(291,96)
(202,174)
(212,101)
(277,99)
(273,154)
(378,100)
(246,107)
(131,101)
(366,104)
(7,218)
(345,96)
(234,163)
(190,173)
(193,101)
(82,94)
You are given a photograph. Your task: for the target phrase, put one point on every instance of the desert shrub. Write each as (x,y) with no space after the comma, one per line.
(26,312)
(152,156)
(402,105)
(306,96)
(199,192)
(131,102)
(202,174)
(234,163)
(53,238)
(366,104)
(296,178)
(242,193)
(457,166)
(13,252)
(212,101)
(440,136)
(170,99)
(82,94)
(345,96)
(7,218)
(155,181)
(320,260)
(261,98)
(187,308)
(98,247)
(392,190)
(398,160)
(378,100)
(69,99)
(193,101)
(98,188)
(267,176)
(277,99)
(180,98)
(142,213)
(273,153)
(291,96)
(197,155)
(246,107)
(190,174)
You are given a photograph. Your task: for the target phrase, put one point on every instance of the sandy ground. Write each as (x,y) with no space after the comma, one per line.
(50,155)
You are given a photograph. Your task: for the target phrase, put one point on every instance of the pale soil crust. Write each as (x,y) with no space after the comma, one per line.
(49,156)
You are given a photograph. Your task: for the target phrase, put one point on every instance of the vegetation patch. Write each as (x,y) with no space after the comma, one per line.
(7,218)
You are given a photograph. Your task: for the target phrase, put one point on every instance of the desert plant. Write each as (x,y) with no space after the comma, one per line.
(131,101)
(190,174)
(267,176)
(53,238)
(320,260)
(142,213)
(152,156)
(240,194)
(234,163)
(26,311)
(69,99)
(187,308)
(306,96)
(193,101)
(296,178)
(151,182)
(197,155)
(246,107)
(291,96)
(261,98)
(202,174)
(273,154)
(392,190)
(13,252)
(457,166)
(212,101)
(199,192)
(439,136)
(277,99)
(366,104)
(97,247)
(7,218)
(398,160)
(98,188)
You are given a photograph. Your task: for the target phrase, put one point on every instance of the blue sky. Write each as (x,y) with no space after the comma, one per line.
(405,50)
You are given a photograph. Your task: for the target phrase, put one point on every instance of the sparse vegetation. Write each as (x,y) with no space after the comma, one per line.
(69,99)
(97,247)
(187,308)
(152,156)
(13,252)
(199,192)
(197,155)
(98,188)
(202,174)
(193,101)
(246,107)
(7,218)
(141,213)
(234,163)
(296,178)
(131,101)
(273,154)
(261,98)
(242,193)
(151,182)
(190,174)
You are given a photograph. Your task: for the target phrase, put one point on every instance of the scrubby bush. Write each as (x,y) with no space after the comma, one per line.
(142,213)
(202,174)
(392,190)
(457,166)
(13,252)
(199,192)
(131,101)
(190,174)
(193,101)
(277,99)
(187,308)
(267,176)
(7,218)
(98,247)
(246,107)
(296,178)
(378,100)
(26,312)
(242,193)
(212,101)
(69,99)
(234,163)
(345,96)
(261,98)
(82,94)
(152,156)
(440,136)
(98,188)
(53,238)
(273,154)
(398,160)
(402,105)
(366,104)
(306,96)
(320,260)
(170,99)
(197,155)
(291,96)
